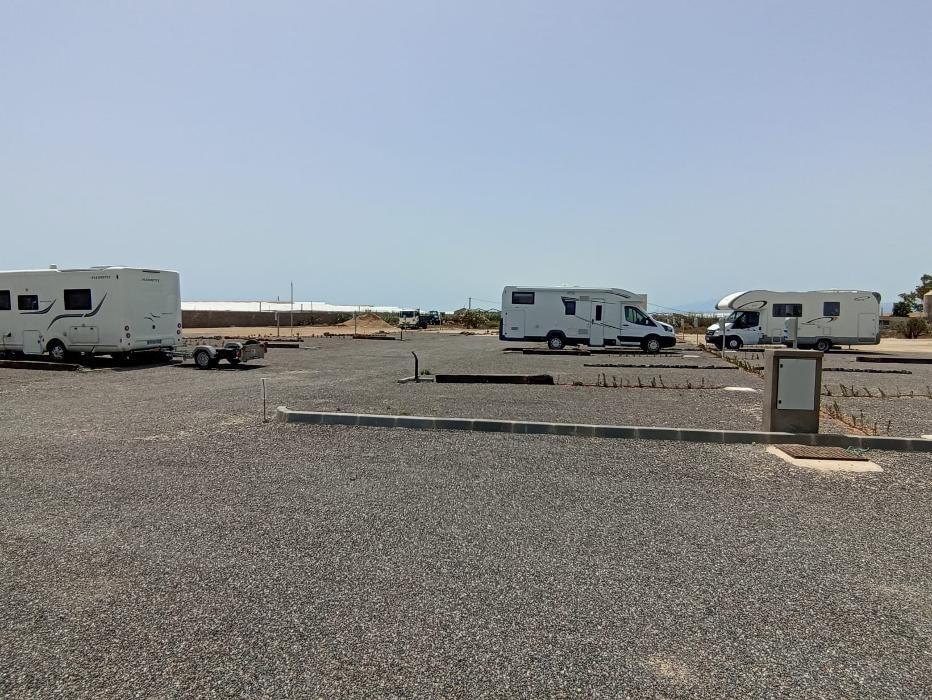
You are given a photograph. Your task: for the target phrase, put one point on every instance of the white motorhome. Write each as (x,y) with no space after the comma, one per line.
(826,318)
(563,316)
(100,310)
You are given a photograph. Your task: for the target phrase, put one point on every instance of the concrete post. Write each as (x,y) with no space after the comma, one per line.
(793,391)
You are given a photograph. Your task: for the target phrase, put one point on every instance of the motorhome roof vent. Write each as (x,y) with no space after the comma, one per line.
(53,267)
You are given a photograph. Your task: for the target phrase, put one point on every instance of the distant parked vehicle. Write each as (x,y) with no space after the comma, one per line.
(234,352)
(116,311)
(826,318)
(563,316)
(409,318)
(415,318)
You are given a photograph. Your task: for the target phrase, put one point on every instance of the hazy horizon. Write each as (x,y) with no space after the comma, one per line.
(417,154)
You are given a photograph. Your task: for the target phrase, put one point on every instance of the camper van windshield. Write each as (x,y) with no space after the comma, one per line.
(743,319)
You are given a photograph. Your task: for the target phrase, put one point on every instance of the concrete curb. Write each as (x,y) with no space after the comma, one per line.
(41,365)
(625,432)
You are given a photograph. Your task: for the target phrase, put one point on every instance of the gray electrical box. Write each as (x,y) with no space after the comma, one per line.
(793,391)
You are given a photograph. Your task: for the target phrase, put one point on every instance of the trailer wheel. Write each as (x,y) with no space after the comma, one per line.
(556,341)
(57,350)
(823,345)
(734,342)
(651,344)
(203,360)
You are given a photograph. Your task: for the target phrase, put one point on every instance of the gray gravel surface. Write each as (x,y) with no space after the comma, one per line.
(284,561)
(158,540)
(362,376)
(907,417)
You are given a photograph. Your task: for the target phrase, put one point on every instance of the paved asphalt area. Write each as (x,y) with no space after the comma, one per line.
(158,540)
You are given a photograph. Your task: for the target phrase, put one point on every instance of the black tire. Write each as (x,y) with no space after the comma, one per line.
(651,344)
(733,342)
(233,361)
(823,345)
(203,360)
(57,351)
(556,341)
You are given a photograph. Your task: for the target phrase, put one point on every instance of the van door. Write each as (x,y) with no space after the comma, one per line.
(867,326)
(635,324)
(32,344)
(513,323)
(597,324)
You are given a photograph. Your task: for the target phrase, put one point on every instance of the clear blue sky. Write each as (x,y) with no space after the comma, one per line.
(417,153)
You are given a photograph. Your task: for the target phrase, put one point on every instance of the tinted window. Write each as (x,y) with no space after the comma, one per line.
(635,315)
(598,312)
(522,297)
(5,300)
(569,307)
(77,299)
(27,302)
(831,308)
(746,319)
(787,310)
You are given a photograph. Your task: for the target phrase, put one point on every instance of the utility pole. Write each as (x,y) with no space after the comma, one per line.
(292,308)
(469,304)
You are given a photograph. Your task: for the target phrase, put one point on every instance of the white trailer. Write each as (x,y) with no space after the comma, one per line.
(99,310)
(826,318)
(563,316)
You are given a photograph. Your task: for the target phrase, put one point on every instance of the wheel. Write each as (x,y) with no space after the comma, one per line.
(203,360)
(233,361)
(651,344)
(556,342)
(57,351)
(734,342)
(823,345)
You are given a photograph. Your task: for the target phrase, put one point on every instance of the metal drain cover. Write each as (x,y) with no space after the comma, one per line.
(810,452)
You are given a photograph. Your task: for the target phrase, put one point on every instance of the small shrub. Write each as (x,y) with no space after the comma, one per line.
(915,327)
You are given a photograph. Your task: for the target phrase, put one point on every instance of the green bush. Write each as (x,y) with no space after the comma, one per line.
(476,318)
(914,327)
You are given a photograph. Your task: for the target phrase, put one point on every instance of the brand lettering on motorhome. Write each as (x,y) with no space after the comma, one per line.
(150,279)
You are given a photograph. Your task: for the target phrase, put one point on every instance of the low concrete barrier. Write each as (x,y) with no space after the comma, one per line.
(625,432)
(39,364)
(494,379)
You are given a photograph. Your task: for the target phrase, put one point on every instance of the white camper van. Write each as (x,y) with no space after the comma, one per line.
(826,318)
(100,310)
(577,316)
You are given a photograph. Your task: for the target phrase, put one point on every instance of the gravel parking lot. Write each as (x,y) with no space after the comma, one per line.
(875,392)
(159,540)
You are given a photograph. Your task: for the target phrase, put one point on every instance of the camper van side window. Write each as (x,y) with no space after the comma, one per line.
(569,307)
(77,300)
(787,310)
(27,302)
(522,297)
(831,308)
(5,300)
